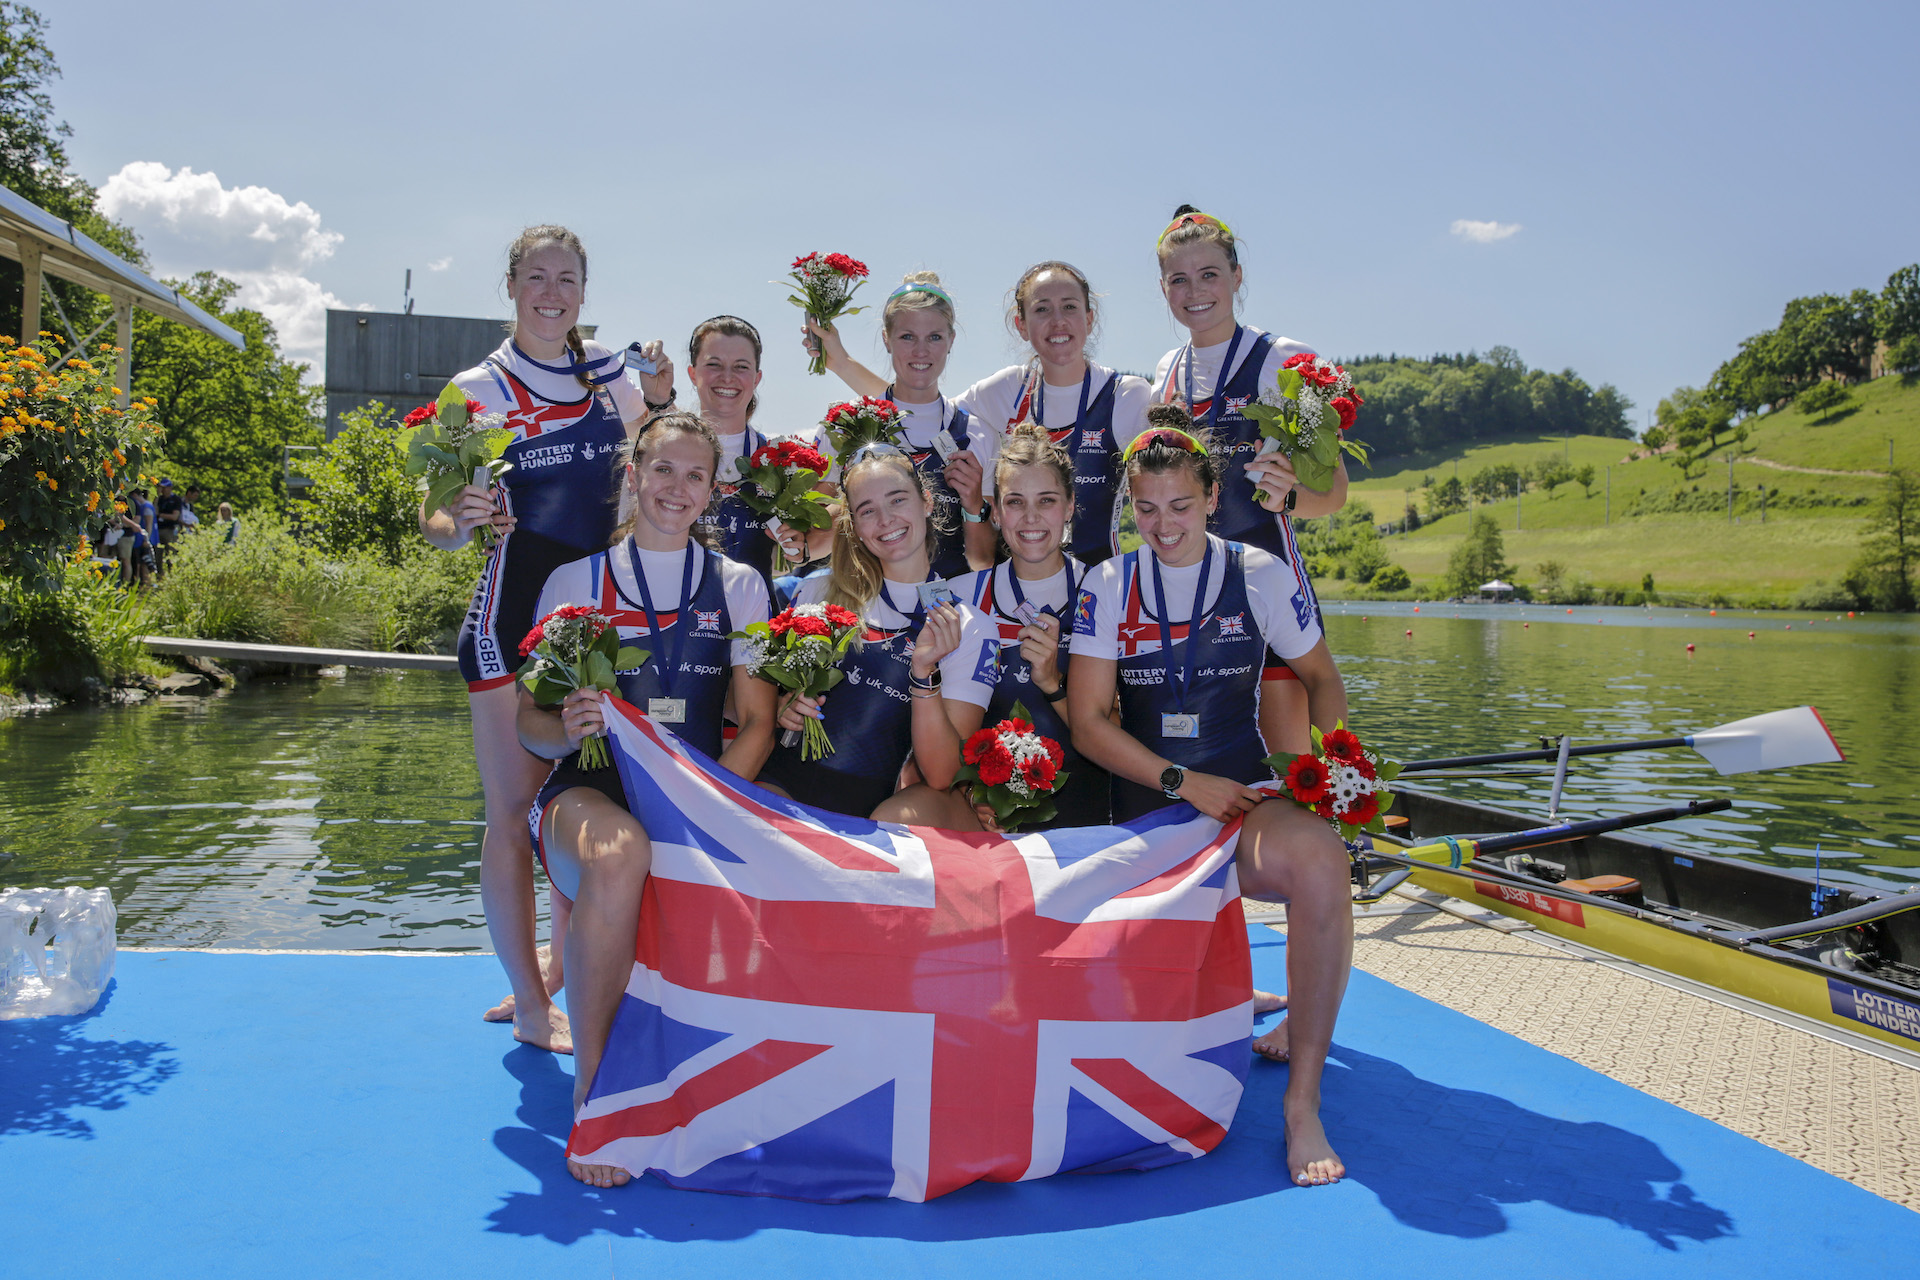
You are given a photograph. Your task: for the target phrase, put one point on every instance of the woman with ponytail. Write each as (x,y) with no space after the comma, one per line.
(916,662)
(918,326)
(567,403)
(1178,630)
(1029,598)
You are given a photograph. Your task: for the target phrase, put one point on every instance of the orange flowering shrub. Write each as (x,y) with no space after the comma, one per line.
(66,447)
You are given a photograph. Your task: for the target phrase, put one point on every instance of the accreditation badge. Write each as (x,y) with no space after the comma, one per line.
(1175,725)
(668,710)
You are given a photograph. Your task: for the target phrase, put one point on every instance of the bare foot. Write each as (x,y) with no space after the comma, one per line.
(599,1175)
(502,1012)
(546,1029)
(1310,1158)
(1273,1045)
(549,970)
(1267,1002)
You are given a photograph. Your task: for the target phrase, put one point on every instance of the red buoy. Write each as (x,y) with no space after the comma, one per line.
(1409,633)
(1689,651)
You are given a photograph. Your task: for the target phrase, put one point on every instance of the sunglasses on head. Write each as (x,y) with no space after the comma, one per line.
(1172,437)
(878,449)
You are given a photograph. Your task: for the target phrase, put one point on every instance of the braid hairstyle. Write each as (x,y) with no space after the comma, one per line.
(855,578)
(525,243)
(1031,445)
(634,452)
(732,327)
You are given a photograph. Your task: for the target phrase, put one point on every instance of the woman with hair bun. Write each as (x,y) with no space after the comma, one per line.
(567,403)
(1178,630)
(723,363)
(917,325)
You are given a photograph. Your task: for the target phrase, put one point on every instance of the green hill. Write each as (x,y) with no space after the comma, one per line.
(1643,518)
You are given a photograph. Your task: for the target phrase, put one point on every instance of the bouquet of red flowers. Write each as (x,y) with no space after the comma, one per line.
(1296,421)
(575,647)
(1340,780)
(798,649)
(864,421)
(1013,769)
(779,484)
(824,282)
(450,444)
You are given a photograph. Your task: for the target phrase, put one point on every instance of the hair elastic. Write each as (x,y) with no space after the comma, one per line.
(1173,437)
(1192,219)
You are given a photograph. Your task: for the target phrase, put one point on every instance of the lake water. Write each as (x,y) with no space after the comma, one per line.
(344,814)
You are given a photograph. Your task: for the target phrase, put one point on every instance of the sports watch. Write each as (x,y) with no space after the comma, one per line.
(1170,779)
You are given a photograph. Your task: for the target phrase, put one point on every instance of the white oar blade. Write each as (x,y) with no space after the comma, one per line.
(1777,740)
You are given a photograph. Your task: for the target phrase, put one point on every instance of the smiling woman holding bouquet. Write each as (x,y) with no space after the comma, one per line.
(1179,629)
(566,404)
(679,602)
(912,660)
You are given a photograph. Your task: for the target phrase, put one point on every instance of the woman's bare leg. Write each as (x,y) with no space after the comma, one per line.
(599,855)
(512,776)
(1289,854)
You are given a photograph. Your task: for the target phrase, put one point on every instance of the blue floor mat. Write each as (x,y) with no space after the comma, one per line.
(351,1116)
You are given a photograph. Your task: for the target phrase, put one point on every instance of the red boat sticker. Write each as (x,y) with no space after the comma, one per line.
(1883,1012)
(1538,903)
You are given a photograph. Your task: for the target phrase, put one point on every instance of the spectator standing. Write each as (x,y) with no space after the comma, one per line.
(167,508)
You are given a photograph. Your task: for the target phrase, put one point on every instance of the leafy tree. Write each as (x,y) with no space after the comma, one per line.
(1481,557)
(1551,472)
(1882,578)
(1656,438)
(228,414)
(1391,578)
(1415,404)
(1367,557)
(1584,477)
(1490,484)
(1896,314)
(1446,498)
(1904,355)
(1411,520)
(1823,398)
(362,496)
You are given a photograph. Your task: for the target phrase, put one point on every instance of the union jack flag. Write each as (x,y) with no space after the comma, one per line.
(825,1008)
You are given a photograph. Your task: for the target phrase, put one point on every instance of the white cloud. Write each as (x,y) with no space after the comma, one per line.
(1483,232)
(189,222)
(440,264)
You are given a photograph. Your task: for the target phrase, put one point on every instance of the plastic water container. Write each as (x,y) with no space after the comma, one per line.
(56,950)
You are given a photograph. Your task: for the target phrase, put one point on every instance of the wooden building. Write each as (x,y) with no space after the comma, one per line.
(402,361)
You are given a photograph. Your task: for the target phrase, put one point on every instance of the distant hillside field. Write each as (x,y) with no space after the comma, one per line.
(1677,530)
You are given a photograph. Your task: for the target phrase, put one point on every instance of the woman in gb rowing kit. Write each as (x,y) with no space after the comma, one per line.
(1179,628)
(947,444)
(1224,365)
(922,649)
(1029,597)
(1088,409)
(679,601)
(566,402)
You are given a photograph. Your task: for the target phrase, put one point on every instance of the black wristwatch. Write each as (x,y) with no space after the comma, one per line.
(1171,778)
(1059,693)
(986,513)
(673,393)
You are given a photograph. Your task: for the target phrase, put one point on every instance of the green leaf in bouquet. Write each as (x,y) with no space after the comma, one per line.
(451,408)
(546,691)
(1389,770)
(630,659)
(1035,814)
(829,678)
(1386,801)
(1290,383)
(811,510)
(1313,471)
(600,670)
(442,490)
(1280,762)
(430,453)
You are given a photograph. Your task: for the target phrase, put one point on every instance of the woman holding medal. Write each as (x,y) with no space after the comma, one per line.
(1029,596)
(1178,629)
(946,443)
(679,601)
(567,405)
(922,650)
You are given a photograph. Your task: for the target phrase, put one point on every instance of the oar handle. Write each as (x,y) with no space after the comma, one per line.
(1551,753)
(1456,852)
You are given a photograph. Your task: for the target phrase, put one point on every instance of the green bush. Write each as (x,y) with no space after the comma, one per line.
(363,499)
(1821,594)
(1391,578)
(84,628)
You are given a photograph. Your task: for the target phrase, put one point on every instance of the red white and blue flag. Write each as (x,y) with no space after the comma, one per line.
(825,1007)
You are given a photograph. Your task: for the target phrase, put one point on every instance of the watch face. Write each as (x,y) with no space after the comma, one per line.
(1171,778)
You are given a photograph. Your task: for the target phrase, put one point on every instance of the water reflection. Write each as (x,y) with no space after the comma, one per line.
(345,813)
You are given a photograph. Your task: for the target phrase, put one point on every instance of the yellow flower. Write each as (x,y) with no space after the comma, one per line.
(53,484)
(93,500)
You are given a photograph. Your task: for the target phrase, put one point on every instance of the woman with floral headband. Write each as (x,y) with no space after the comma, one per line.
(1179,630)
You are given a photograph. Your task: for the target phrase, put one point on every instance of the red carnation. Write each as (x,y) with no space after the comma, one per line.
(810,459)
(533,640)
(1347,410)
(418,416)
(810,626)
(1325,809)
(803,260)
(1020,727)
(781,622)
(1363,810)
(1343,746)
(1058,756)
(1307,779)
(840,616)
(475,408)
(996,764)
(847,266)
(1295,361)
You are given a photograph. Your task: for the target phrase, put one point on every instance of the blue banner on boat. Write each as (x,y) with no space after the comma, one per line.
(1882,1012)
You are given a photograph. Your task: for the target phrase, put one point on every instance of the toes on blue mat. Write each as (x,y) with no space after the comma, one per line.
(329,1116)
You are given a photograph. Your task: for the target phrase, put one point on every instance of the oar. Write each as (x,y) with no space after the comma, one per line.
(1454,852)
(1777,740)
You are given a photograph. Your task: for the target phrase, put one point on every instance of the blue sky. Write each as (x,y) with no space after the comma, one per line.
(1676,171)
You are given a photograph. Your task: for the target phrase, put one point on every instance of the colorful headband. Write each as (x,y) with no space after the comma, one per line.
(1172,437)
(1192,220)
(912,287)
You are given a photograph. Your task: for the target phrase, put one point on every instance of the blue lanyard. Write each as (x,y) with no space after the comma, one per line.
(1193,627)
(669,659)
(575,366)
(1219,383)
(1020,597)
(1037,394)
(916,619)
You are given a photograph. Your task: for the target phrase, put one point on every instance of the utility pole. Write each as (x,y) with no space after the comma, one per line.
(1729,486)
(1609,496)
(1518,495)
(1763,502)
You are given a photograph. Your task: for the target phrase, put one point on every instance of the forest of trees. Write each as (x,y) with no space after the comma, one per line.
(1447,402)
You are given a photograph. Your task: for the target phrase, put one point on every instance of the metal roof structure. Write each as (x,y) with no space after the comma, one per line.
(41,243)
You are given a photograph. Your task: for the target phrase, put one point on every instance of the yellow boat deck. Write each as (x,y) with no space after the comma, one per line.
(1851,1111)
